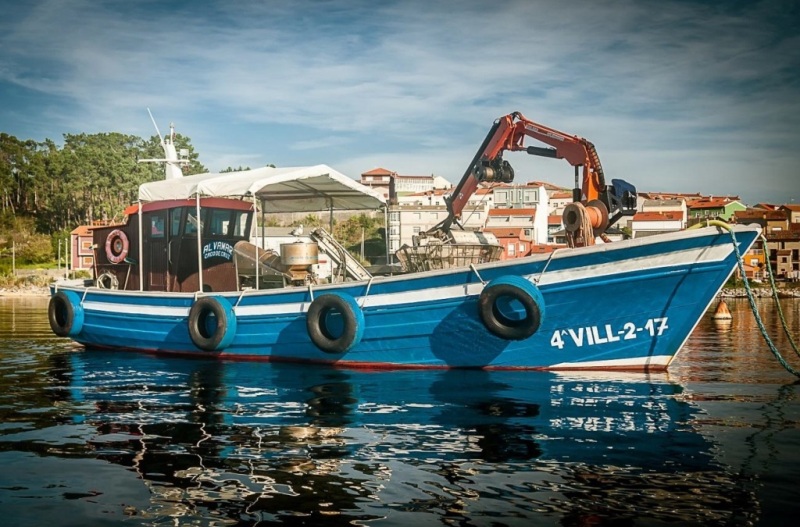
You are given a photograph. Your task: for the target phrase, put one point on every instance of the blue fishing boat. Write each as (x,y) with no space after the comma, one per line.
(182,276)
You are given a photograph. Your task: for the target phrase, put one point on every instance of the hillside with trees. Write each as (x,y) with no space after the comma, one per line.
(46,191)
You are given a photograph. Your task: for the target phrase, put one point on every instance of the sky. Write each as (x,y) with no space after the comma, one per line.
(677,95)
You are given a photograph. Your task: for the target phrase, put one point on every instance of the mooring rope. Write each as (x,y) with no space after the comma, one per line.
(775,296)
(751,299)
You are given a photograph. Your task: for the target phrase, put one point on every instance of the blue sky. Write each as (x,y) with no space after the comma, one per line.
(677,95)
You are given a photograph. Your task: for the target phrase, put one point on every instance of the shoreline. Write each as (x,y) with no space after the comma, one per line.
(758,292)
(25,292)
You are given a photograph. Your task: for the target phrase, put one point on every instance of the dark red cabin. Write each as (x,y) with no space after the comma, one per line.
(168,260)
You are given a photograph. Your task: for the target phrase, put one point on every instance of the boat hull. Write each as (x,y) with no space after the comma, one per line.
(622,306)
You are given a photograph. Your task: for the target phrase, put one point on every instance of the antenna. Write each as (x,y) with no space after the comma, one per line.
(156,126)
(172,162)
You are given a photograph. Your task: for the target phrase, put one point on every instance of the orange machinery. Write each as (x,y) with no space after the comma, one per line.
(508,133)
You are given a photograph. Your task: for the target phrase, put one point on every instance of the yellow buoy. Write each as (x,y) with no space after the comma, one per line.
(722,312)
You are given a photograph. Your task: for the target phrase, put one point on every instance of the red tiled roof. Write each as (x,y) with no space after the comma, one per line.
(378,172)
(505,232)
(554,219)
(658,216)
(82,230)
(759,214)
(513,212)
(709,203)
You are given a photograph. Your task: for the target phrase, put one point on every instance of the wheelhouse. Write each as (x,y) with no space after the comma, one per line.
(173,256)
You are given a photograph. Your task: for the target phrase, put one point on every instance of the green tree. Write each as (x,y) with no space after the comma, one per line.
(92,177)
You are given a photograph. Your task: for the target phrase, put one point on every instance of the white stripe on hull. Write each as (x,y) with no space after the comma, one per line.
(673,259)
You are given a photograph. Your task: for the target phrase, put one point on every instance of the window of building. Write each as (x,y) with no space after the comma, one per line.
(415,230)
(512,249)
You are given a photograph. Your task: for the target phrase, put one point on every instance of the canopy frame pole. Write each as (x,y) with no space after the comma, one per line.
(386,231)
(263,229)
(141,249)
(255,210)
(330,218)
(199,244)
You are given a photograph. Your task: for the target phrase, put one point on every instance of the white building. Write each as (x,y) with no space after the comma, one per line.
(650,223)
(667,205)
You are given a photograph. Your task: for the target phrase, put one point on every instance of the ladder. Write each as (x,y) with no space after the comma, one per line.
(347,266)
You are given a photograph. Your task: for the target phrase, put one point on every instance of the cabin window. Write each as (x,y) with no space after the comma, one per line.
(157,227)
(240,224)
(175,221)
(226,222)
(220,222)
(191,222)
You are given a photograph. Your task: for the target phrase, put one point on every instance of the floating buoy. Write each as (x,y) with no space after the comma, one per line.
(722,312)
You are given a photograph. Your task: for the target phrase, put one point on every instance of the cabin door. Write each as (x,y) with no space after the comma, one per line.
(156,239)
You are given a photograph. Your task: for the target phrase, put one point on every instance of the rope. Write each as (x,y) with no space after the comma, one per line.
(777,301)
(585,232)
(751,299)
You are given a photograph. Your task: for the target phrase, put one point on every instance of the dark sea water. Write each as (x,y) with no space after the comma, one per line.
(98,438)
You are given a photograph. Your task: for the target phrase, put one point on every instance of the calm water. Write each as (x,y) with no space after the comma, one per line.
(97,438)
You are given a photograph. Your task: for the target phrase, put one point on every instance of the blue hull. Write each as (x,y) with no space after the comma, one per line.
(622,306)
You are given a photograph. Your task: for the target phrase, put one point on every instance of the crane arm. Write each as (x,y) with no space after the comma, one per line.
(508,133)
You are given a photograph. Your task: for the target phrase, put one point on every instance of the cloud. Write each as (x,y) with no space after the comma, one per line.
(662,83)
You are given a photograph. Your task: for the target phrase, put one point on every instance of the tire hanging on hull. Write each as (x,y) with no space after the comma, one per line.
(65,313)
(499,307)
(335,322)
(212,323)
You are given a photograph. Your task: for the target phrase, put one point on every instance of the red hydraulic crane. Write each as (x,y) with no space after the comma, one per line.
(509,133)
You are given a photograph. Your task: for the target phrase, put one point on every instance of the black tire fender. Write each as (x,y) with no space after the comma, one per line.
(516,289)
(212,323)
(65,313)
(318,322)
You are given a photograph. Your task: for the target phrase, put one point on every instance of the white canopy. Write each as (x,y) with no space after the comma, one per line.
(288,189)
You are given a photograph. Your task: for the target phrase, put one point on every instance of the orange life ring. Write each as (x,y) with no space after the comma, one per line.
(116,246)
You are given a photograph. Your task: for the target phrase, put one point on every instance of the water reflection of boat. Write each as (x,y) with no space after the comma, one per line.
(267,442)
